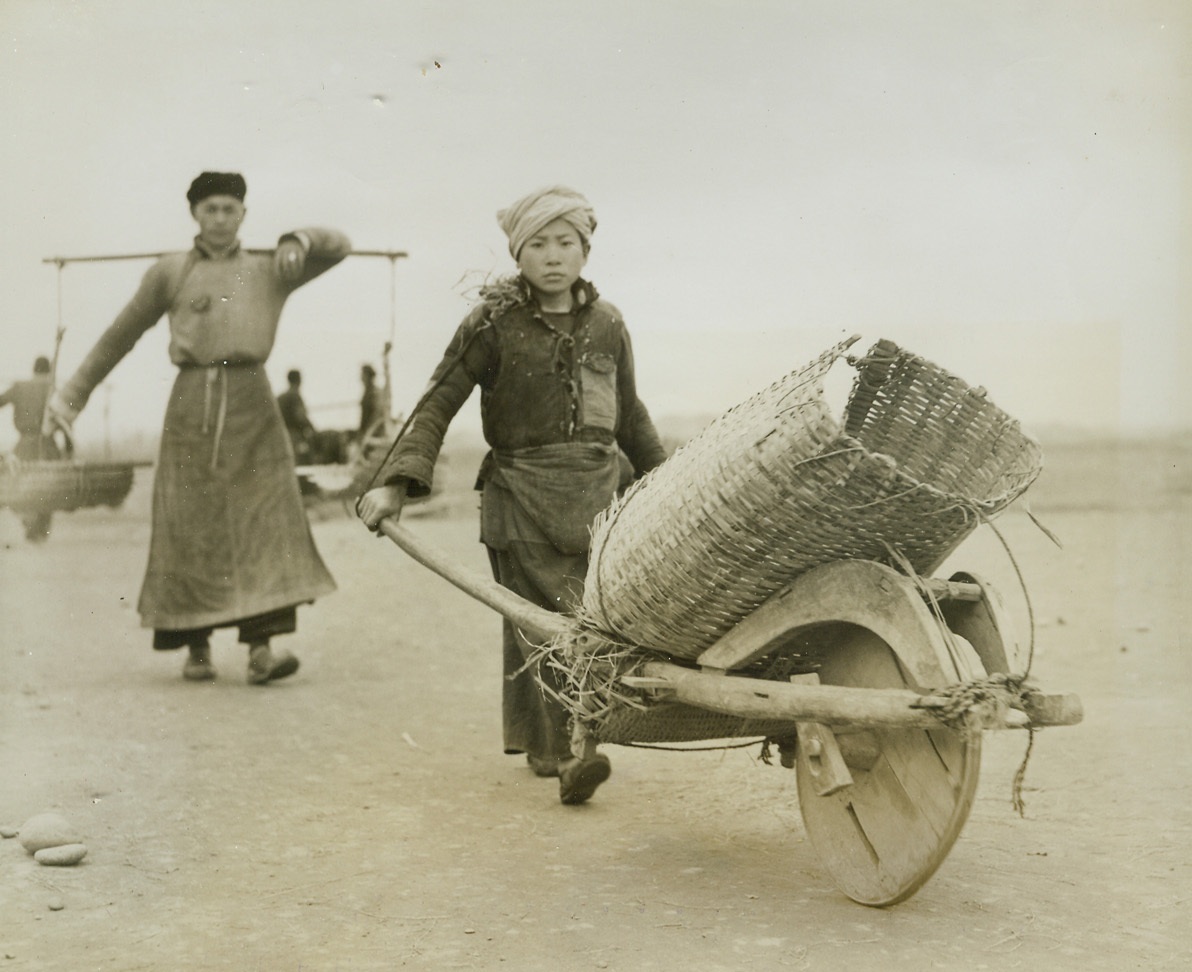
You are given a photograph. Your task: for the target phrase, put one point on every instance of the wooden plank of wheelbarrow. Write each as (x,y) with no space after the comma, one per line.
(755,698)
(986,624)
(859,592)
(843,705)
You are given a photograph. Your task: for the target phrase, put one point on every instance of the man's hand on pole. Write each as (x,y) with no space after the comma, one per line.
(59,417)
(290,259)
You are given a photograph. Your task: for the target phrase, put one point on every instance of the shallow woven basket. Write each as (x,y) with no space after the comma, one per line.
(777,485)
(63,484)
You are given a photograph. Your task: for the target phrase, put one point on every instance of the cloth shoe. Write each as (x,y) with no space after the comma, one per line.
(198,667)
(579,778)
(266,665)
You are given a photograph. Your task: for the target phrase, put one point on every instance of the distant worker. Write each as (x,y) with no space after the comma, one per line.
(297,422)
(231,545)
(28,400)
(372,403)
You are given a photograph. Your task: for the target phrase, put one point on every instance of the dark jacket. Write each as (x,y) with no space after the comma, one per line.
(539,386)
(28,401)
(294,415)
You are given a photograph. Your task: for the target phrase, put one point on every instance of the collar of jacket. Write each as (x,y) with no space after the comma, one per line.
(583,295)
(203,248)
(513,292)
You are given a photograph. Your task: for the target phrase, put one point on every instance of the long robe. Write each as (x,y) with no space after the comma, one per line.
(230,537)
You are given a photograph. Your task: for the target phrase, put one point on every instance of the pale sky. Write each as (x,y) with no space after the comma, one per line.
(1001,188)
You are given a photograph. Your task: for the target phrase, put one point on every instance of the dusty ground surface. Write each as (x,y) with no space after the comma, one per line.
(361,815)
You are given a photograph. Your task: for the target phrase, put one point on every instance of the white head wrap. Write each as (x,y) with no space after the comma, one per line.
(530,213)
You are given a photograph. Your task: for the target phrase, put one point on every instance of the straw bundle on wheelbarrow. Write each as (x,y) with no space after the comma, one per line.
(773,488)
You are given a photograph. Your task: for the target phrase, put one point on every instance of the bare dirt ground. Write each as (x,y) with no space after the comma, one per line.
(361,815)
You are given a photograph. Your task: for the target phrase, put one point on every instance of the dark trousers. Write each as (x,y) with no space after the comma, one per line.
(533,722)
(34,446)
(253,631)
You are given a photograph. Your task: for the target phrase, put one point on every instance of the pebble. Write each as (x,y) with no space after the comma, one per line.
(62,856)
(7,832)
(55,904)
(47,830)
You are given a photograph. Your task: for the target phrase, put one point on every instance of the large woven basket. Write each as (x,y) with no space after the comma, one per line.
(777,486)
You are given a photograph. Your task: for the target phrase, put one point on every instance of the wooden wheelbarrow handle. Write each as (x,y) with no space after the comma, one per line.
(540,624)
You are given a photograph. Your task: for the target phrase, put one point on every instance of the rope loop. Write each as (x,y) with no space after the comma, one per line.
(968,706)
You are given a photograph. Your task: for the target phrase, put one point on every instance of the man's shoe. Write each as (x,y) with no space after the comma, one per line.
(579,778)
(198,667)
(543,767)
(266,665)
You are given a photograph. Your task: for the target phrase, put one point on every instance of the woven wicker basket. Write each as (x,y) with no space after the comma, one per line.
(777,486)
(63,484)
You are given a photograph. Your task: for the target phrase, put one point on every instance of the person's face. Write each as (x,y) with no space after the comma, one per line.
(552,259)
(219,219)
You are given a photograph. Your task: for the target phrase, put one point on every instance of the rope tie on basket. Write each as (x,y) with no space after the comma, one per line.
(999,689)
(873,369)
(1026,596)
(872,357)
(594,559)
(1020,774)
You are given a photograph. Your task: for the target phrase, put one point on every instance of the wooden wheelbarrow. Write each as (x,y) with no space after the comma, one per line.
(884,733)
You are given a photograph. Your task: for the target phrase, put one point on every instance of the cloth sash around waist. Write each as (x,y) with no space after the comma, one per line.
(215,394)
(561,487)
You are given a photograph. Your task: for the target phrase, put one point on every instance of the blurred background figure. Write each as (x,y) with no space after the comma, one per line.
(297,422)
(28,400)
(372,403)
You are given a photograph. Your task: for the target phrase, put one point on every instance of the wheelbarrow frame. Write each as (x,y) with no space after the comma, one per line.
(906,643)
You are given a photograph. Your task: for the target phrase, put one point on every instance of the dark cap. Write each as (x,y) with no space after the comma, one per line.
(216,184)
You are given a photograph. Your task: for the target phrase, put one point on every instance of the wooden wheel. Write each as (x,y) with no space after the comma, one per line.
(885,833)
